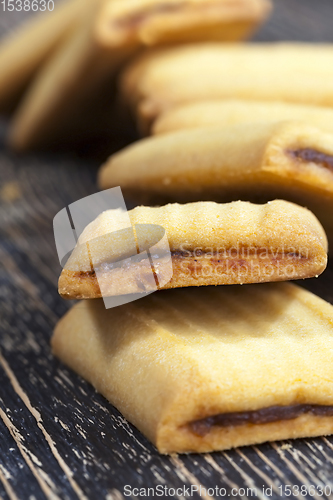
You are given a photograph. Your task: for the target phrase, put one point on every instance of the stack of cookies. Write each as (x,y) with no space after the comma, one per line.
(211,367)
(204,363)
(61,87)
(228,122)
(201,366)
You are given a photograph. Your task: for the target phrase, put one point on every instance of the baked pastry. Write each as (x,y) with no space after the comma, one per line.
(230,112)
(209,368)
(22,54)
(108,34)
(210,244)
(290,72)
(152,22)
(63,86)
(254,162)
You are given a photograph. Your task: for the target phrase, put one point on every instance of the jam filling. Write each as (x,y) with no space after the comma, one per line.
(241,253)
(311,155)
(215,257)
(263,416)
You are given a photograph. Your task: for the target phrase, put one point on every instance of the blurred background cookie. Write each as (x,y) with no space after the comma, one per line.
(103,35)
(294,73)
(253,161)
(228,112)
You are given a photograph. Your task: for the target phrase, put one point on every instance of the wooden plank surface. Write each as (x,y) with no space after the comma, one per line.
(58,437)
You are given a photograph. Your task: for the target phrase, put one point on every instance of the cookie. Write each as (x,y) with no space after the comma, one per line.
(209,369)
(210,244)
(22,54)
(289,72)
(109,33)
(226,113)
(152,22)
(65,84)
(253,162)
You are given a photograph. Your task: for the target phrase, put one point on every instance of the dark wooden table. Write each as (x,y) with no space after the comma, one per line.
(58,437)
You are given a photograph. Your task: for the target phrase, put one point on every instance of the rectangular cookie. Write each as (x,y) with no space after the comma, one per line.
(255,162)
(209,243)
(209,369)
(230,112)
(152,22)
(289,72)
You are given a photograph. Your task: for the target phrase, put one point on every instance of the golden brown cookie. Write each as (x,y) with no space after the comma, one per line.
(230,112)
(209,368)
(255,162)
(289,72)
(152,22)
(210,244)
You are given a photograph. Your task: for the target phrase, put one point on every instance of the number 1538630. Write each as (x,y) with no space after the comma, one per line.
(27,5)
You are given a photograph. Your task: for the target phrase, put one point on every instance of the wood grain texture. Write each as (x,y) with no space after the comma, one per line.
(58,437)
